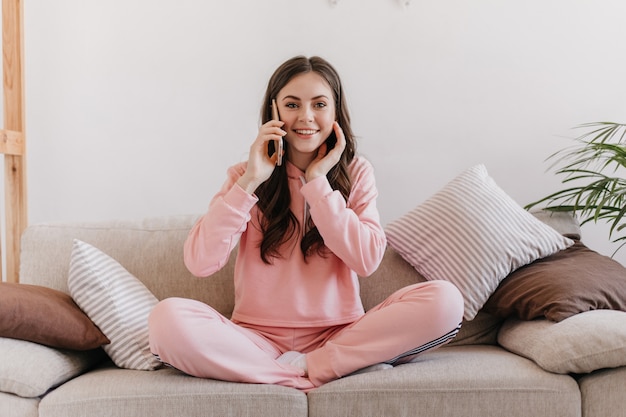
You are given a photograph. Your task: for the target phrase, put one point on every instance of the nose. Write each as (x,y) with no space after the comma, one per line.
(305,114)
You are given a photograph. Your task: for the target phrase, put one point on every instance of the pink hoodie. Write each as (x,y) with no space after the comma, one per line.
(324,291)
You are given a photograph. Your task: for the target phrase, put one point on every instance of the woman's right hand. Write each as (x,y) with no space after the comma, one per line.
(260,165)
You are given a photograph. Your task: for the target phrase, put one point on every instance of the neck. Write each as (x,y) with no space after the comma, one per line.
(302,161)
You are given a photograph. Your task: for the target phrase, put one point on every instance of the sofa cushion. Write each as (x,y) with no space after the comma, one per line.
(603,393)
(29,369)
(15,406)
(452,381)
(481,330)
(579,344)
(47,316)
(109,391)
(568,282)
(117,302)
(472,234)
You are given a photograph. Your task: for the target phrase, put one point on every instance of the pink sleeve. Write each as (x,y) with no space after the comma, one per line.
(217,232)
(352,230)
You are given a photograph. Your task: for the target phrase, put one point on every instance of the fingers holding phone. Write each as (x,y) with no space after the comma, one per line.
(260,164)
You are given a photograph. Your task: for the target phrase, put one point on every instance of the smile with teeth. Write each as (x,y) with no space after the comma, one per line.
(306,131)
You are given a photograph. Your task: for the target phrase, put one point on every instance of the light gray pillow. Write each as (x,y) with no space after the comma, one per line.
(117,302)
(579,344)
(472,234)
(30,370)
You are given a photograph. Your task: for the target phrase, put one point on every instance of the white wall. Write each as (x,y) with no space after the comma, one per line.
(137,107)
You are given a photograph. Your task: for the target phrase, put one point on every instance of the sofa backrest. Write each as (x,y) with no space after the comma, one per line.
(151,249)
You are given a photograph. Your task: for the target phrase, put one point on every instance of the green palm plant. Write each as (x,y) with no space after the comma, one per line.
(592,169)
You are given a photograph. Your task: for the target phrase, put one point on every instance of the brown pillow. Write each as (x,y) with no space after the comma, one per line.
(571,281)
(46,316)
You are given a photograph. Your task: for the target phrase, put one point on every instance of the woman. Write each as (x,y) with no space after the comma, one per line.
(306,230)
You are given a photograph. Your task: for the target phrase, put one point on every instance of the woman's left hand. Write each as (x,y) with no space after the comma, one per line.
(324,162)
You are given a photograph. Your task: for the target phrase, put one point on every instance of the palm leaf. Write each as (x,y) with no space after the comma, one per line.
(595,195)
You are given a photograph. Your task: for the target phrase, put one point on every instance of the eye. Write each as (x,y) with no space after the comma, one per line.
(291,105)
(321,105)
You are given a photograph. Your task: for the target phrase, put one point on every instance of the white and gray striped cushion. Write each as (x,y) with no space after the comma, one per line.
(472,234)
(116,301)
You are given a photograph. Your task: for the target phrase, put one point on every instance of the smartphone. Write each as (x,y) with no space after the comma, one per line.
(278,146)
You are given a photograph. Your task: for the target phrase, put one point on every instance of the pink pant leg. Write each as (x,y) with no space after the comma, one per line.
(196,339)
(417,316)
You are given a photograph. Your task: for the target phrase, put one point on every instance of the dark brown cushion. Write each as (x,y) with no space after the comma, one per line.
(46,316)
(572,281)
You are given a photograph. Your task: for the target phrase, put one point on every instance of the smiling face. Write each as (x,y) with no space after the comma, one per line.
(307,107)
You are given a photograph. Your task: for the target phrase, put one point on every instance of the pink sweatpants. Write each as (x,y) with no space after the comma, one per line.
(195,338)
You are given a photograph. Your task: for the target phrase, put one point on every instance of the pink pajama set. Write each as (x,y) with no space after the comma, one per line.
(310,306)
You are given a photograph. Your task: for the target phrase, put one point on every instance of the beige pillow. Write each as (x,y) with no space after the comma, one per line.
(29,369)
(579,344)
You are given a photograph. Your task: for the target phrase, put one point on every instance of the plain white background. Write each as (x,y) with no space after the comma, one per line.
(136,108)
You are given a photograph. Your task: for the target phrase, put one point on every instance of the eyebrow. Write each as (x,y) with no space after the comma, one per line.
(299,99)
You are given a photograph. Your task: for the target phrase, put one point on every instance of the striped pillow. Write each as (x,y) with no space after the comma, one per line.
(116,301)
(472,234)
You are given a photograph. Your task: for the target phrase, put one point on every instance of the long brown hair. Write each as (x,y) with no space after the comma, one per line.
(278,223)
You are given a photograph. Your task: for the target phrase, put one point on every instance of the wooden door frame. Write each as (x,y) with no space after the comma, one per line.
(12,137)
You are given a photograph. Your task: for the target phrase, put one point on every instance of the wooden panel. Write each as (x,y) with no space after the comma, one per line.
(11,143)
(14,162)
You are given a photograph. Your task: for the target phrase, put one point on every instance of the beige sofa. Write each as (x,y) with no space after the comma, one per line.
(472,376)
